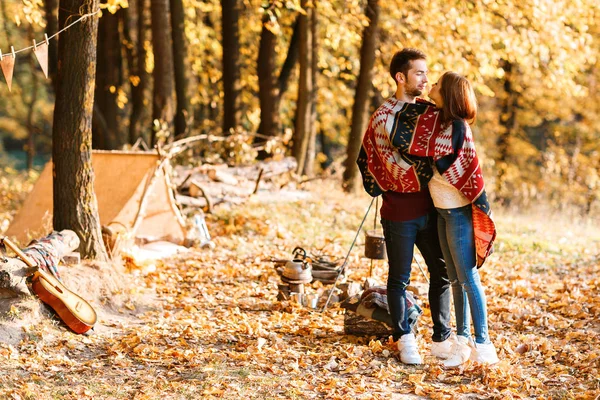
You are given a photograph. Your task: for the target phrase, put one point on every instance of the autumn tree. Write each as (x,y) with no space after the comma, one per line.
(291,59)
(75,205)
(180,67)
(267,78)
(311,148)
(162,100)
(231,68)
(105,123)
(280,87)
(361,99)
(136,33)
(32,103)
(302,133)
(508,105)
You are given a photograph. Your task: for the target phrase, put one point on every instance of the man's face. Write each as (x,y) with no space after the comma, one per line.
(415,81)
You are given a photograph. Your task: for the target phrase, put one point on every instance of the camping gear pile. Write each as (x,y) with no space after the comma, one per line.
(305,268)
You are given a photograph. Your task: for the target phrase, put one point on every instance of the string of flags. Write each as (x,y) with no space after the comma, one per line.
(7,61)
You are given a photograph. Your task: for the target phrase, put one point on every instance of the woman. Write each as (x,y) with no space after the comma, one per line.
(456,98)
(465,228)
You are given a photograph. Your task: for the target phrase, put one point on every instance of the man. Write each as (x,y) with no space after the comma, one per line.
(407,213)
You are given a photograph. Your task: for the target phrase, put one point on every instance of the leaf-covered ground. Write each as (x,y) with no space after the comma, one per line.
(216,329)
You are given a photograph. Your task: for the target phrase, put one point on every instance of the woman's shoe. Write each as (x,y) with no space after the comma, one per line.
(443,349)
(460,353)
(484,353)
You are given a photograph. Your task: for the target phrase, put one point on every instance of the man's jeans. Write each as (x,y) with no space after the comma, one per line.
(400,240)
(455,227)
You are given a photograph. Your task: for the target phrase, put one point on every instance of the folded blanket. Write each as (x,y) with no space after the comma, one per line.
(372,304)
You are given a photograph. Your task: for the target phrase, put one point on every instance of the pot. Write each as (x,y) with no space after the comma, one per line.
(375,245)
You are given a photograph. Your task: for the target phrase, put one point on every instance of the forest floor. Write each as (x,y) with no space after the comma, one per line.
(207,324)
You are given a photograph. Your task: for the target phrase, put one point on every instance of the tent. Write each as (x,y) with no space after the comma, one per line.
(133,194)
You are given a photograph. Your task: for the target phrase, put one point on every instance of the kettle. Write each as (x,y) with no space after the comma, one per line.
(298,269)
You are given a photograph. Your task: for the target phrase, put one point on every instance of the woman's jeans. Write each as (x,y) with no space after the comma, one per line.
(457,240)
(400,240)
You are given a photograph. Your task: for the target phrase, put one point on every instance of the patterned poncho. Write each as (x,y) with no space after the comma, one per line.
(402,132)
(383,166)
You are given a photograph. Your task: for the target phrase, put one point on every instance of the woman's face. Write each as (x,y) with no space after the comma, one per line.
(435,95)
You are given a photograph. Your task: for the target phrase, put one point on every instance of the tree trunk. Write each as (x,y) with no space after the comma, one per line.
(326,149)
(311,148)
(282,86)
(108,81)
(51,8)
(267,82)
(290,60)
(181,67)
(162,103)
(231,71)
(136,33)
(508,104)
(30,111)
(361,100)
(75,205)
(305,87)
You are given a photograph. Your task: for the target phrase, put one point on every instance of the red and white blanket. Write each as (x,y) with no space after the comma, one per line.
(400,133)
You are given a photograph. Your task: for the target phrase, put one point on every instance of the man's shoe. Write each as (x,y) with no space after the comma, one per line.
(460,353)
(409,352)
(443,349)
(484,353)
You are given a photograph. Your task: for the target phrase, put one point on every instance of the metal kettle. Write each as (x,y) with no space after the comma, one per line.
(299,268)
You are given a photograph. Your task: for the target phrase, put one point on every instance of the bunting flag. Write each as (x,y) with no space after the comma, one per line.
(8,67)
(41,53)
(7,61)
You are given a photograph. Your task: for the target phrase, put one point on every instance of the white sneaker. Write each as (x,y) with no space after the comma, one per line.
(409,352)
(460,353)
(443,349)
(484,353)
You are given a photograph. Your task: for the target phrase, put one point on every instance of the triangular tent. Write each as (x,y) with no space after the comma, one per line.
(122,180)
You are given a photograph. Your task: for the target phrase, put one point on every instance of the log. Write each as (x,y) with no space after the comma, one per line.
(187,201)
(219,175)
(13,275)
(248,173)
(42,254)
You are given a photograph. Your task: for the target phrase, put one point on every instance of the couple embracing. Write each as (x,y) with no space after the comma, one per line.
(420,157)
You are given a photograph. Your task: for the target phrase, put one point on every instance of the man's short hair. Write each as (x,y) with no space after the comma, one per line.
(401,62)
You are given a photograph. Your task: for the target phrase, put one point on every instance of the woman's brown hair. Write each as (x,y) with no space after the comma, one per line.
(459,98)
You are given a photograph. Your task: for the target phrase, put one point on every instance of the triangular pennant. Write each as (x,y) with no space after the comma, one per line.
(8,67)
(41,52)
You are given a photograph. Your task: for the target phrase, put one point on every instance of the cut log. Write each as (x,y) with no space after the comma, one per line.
(187,201)
(219,175)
